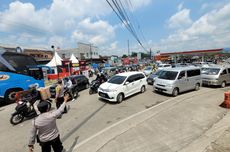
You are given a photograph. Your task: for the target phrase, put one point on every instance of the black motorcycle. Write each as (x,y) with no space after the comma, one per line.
(24,108)
(73,92)
(94,86)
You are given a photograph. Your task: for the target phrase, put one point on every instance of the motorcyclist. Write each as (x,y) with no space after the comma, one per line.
(32,98)
(103,77)
(69,86)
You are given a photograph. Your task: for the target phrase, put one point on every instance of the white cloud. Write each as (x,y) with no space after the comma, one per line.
(98,32)
(135,4)
(113,46)
(209,31)
(180,19)
(63,22)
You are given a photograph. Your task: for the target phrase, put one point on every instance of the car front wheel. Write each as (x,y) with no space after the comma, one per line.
(175,92)
(120,98)
(142,89)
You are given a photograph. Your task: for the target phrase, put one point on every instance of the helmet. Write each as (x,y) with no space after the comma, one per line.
(59,81)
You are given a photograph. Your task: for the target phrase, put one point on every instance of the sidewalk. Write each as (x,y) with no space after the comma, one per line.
(187,123)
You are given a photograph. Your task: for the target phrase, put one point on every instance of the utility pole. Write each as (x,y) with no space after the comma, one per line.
(91,54)
(128,48)
(150,53)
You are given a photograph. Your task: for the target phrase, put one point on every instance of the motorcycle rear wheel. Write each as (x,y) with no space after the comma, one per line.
(90,91)
(16,119)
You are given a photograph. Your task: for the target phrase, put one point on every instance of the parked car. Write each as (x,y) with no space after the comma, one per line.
(164,66)
(148,70)
(153,76)
(176,80)
(79,82)
(178,65)
(216,76)
(122,85)
(109,70)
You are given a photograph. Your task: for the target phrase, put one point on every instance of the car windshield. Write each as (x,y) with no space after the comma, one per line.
(148,68)
(158,72)
(168,75)
(117,79)
(211,71)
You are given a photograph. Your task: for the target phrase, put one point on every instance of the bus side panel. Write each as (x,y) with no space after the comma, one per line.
(10,80)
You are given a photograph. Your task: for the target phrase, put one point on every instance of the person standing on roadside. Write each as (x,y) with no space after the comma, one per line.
(60,95)
(69,86)
(44,128)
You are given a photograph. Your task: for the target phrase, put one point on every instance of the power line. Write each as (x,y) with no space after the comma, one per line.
(121,13)
(129,3)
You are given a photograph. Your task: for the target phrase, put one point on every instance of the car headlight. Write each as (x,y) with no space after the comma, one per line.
(168,85)
(111,90)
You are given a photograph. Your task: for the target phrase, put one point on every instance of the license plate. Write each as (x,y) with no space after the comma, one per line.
(101,94)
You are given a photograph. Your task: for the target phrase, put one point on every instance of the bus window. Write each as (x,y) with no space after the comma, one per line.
(36,73)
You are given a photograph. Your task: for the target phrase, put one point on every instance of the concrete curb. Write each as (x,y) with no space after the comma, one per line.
(202,143)
(98,140)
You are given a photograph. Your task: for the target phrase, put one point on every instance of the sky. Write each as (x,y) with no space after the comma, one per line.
(161,25)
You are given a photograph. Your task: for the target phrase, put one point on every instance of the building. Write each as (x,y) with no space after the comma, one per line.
(82,52)
(86,52)
(201,55)
(42,56)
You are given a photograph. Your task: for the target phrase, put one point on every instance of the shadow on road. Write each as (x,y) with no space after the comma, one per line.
(73,145)
(71,132)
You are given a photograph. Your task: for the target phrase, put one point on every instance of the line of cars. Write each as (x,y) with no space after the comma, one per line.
(176,80)
(169,80)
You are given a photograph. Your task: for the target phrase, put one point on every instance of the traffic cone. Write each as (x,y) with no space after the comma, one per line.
(226,103)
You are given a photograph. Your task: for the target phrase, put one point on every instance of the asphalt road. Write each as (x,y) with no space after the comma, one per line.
(86,117)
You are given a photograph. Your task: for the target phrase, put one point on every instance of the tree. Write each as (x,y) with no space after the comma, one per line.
(134,54)
(124,56)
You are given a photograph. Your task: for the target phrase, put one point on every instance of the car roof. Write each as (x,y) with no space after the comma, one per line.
(219,66)
(164,64)
(76,76)
(129,73)
(181,69)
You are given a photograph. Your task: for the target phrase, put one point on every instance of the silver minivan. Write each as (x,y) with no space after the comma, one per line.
(216,76)
(176,80)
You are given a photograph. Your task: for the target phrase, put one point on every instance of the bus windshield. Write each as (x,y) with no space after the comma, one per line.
(21,64)
(3,67)
(19,61)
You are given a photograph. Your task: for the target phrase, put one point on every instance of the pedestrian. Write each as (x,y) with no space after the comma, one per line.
(69,86)
(60,95)
(44,128)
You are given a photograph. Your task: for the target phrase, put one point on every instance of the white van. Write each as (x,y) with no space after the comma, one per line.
(122,85)
(176,80)
(216,76)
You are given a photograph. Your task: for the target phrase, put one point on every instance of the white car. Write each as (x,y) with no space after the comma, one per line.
(122,85)
(148,70)
(164,66)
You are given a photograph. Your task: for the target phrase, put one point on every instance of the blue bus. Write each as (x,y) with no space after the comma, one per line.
(17,72)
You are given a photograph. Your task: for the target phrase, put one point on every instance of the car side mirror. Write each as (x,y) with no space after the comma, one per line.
(126,83)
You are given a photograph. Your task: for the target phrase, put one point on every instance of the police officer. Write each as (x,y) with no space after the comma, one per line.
(45,129)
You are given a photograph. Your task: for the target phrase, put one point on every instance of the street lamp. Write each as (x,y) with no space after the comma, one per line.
(53,47)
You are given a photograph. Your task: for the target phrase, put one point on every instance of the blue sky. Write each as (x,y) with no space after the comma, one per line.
(165,25)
